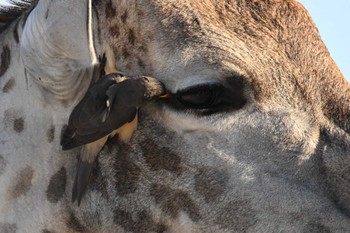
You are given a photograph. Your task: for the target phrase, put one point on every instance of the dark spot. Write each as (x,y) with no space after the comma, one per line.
(18,125)
(46,231)
(141,63)
(140,13)
(8,228)
(98,181)
(110,10)
(126,54)
(47,13)
(2,164)
(15,32)
(124,16)
(9,117)
(75,224)
(196,24)
(114,31)
(211,183)
(159,157)
(314,227)
(22,183)
(138,222)
(172,202)
(9,85)
(131,37)
(161,228)
(57,186)
(143,48)
(50,134)
(127,173)
(237,216)
(5,60)
(129,65)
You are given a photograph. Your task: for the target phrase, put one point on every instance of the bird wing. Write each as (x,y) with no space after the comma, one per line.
(89,108)
(90,134)
(86,119)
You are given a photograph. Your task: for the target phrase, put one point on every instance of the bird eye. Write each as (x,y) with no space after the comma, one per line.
(200,97)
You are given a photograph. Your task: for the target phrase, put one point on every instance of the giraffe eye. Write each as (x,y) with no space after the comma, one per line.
(200,97)
(209,98)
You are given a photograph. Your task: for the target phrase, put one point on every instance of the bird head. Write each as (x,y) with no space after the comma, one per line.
(154,88)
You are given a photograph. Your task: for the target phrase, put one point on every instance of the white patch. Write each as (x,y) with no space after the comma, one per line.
(183,224)
(181,122)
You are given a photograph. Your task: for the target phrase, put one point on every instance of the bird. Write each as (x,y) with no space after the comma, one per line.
(109,107)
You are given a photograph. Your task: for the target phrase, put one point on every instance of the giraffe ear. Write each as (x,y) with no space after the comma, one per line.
(57,38)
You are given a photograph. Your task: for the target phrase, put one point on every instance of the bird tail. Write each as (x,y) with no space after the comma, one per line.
(87,158)
(81,180)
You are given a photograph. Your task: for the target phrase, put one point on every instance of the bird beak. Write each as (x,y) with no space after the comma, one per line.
(166,96)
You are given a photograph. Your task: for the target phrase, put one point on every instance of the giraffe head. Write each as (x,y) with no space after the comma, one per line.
(255,138)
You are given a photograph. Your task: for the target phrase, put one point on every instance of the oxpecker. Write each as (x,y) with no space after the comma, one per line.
(109,107)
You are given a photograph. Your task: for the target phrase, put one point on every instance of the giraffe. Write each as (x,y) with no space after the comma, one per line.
(256,140)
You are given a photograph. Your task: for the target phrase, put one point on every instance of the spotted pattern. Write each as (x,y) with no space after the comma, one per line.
(124,16)
(74,224)
(9,85)
(131,36)
(21,183)
(114,31)
(125,53)
(2,164)
(50,134)
(5,60)
(8,228)
(13,118)
(141,63)
(237,216)
(18,125)
(211,183)
(139,222)
(160,158)
(127,173)
(57,186)
(110,10)
(172,202)
(97,181)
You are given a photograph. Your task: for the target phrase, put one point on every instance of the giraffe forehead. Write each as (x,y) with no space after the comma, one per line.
(177,41)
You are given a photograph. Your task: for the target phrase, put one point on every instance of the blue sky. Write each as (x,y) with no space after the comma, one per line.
(332,19)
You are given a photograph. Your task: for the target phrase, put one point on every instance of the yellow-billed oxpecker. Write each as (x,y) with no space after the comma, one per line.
(109,107)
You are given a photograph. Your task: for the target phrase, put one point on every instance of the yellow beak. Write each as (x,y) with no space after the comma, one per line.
(166,96)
